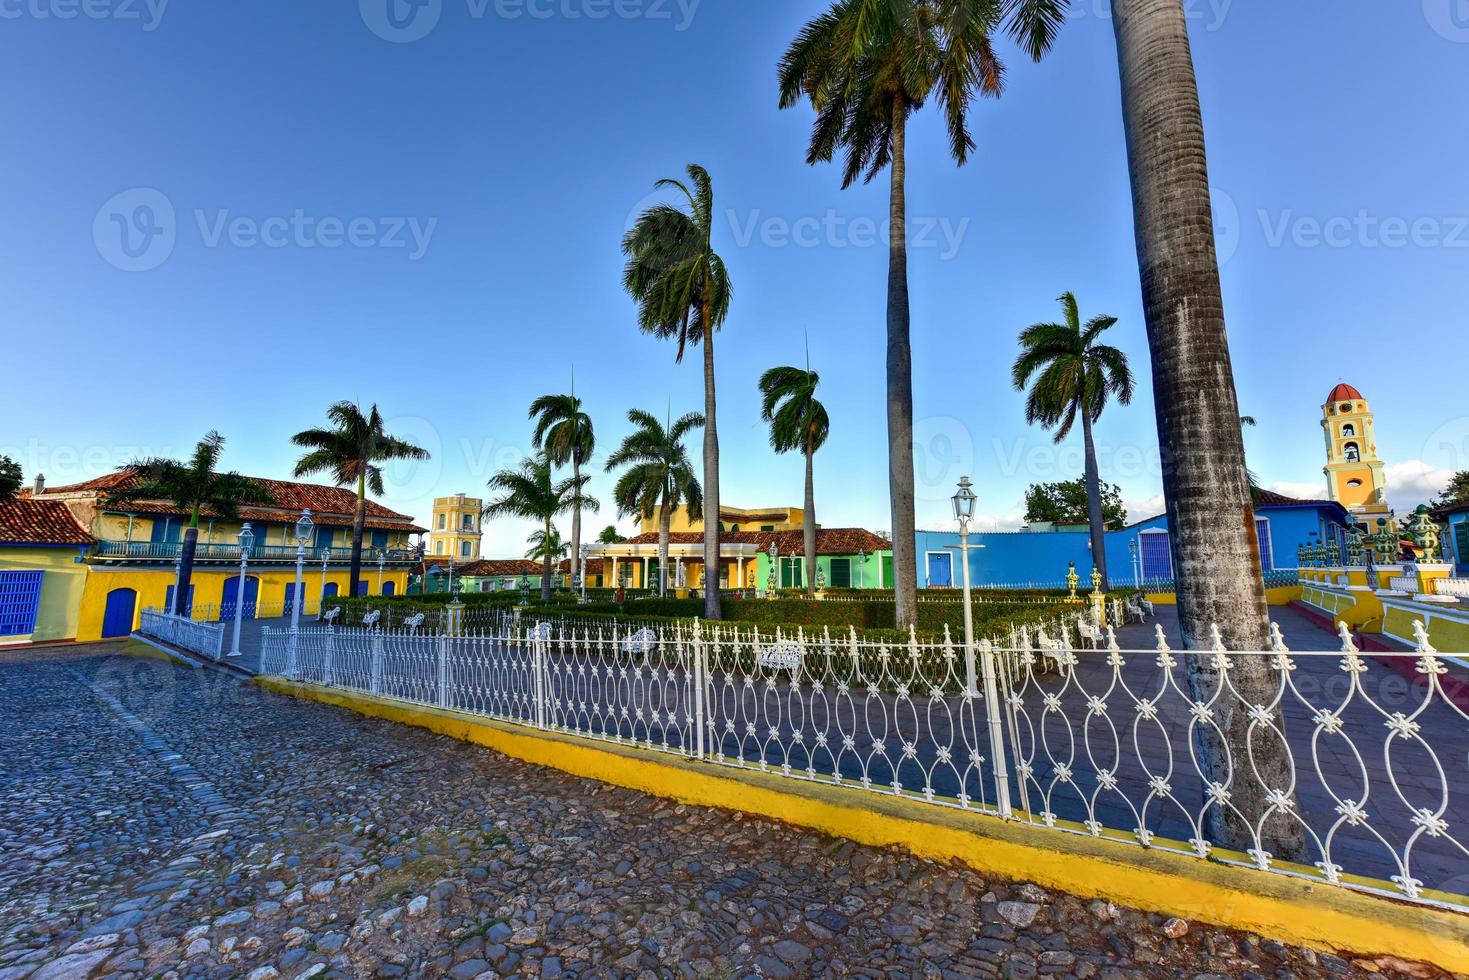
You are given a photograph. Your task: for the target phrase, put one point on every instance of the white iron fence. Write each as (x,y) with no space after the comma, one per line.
(1147,748)
(205,639)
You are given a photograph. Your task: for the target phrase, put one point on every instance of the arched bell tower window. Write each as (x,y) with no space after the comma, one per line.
(1349,430)
(1353,452)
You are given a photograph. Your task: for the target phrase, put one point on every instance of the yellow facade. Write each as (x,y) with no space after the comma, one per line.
(152,584)
(735,519)
(1355,476)
(455,530)
(63,580)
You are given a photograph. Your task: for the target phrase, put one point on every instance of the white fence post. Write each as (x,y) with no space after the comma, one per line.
(443,658)
(329,666)
(538,668)
(992,709)
(376,656)
(696,680)
(292,671)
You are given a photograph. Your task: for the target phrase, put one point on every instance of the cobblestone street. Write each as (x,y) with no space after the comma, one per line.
(162,821)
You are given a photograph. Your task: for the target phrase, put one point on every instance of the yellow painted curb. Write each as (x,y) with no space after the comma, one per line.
(1288,909)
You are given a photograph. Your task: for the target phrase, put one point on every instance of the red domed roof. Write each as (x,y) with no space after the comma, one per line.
(1344,393)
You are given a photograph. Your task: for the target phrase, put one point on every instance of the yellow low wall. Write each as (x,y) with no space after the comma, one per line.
(1289,909)
(1282,595)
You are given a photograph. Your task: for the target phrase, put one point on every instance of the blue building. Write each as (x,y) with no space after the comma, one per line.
(1139,553)
(1456,539)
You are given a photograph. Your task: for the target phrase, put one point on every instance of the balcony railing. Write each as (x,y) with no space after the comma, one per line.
(169,551)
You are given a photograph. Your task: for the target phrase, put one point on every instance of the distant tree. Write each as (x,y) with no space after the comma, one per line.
(543,545)
(350,451)
(610,535)
(193,486)
(564,432)
(1457,492)
(1066,503)
(9,478)
(1071,375)
(657,476)
(531,493)
(798,423)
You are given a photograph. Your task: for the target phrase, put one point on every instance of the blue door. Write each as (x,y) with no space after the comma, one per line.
(232,593)
(117,620)
(331,590)
(324,537)
(390,588)
(20,602)
(940,571)
(290,598)
(362,587)
(379,540)
(168,601)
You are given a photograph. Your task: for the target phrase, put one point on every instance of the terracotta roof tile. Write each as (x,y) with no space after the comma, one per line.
(330,506)
(40,522)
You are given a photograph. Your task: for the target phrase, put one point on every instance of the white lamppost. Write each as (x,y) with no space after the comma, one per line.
(326,557)
(861,568)
(303,535)
(247,539)
(382,559)
(1134,549)
(586,549)
(964,504)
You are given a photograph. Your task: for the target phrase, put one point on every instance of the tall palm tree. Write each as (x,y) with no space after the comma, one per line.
(866,66)
(193,486)
(610,535)
(1216,555)
(564,432)
(682,289)
(798,423)
(531,493)
(351,451)
(1074,375)
(659,478)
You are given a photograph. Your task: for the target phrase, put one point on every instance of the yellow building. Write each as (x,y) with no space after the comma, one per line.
(42,572)
(131,562)
(735,519)
(456,531)
(1355,476)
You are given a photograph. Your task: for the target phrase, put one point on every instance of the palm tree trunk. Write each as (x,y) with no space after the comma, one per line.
(900,386)
(1094,501)
(711,478)
(1215,549)
(359,521)
(187,551)
(547,564)
(665,520)
(576,569)
(810,518)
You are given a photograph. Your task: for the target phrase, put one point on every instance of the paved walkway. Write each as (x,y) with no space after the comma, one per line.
(156,820)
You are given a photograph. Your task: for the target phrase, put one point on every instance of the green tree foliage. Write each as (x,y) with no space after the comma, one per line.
(1066,503)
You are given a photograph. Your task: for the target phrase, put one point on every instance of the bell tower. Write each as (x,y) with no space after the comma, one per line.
(1354,475)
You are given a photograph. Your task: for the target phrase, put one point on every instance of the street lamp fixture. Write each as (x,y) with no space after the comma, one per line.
(964,504)
(303,535)
(247,541)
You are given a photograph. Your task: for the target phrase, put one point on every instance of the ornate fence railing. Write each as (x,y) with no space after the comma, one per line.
(205,639)
(1339,767)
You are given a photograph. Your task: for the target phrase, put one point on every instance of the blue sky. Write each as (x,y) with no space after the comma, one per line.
(320,207)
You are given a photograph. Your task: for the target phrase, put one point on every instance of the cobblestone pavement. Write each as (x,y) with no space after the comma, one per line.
(161,821)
